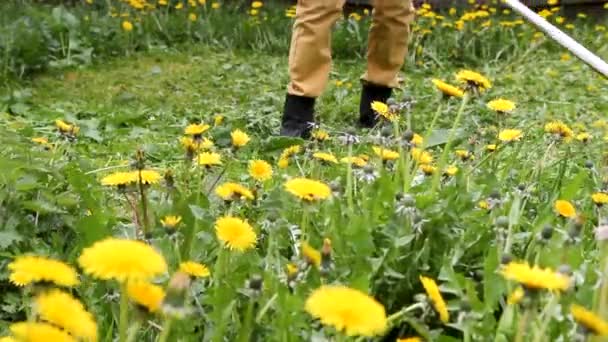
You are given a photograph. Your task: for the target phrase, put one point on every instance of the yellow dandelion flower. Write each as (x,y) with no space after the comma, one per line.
(491,147)
(7,339)
(347,310)
(146,295)
(147,176)
(559,128)
(451,171)
(320,135)
(508,135)
(257,4)
(385,153)
(292,270)
(432,291)
(260,170)
(40,140)
(417,140)
(421,156)
(215,5)
(119,179)
(447,89)
(311,255)
(474,79)
(230,191)
(239,138)
(234,233)
(209,159)
(283,163)
(535,278)
(64,311)
(428,169)
(66,128)
(516,296)
(584,137)
(122,260)
(171,221)
(194,269)
(600,198)
(325,157)
(29,269)
(383,110)
(501,105)
(308,189)
(127,26)
(565,208)
(464,154)
(410,339)
(552,2)
(192,17)
(483,205)
(356,161)
(218,119)
(196,129)
(291,150)
(39,332)
(589,320)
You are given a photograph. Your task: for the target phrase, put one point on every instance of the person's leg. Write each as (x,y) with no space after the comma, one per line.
(386,52)
(309,62)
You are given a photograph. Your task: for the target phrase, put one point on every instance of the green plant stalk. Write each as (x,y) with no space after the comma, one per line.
(144,207)
(304,221)
(601,300)
(539,335)
(166,330)
(123,323)
(133,331)
(522,325)
(246,330)
(191,232)
(397,315)
(349,181)
(221,266)
(448,145)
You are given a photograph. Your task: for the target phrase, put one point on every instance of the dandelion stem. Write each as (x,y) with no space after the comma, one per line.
(246,331)
(133,331)
(164,335)
(349,179)
(123,322)
(540,333)
(448,145)
(144,207)
(522,325)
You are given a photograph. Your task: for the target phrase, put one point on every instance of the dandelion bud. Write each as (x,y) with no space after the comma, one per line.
(169,179)
(408,201)
(574,231)
(174,303)
(255,284)
(502,222)
(386,132)
(140,160)
(521,187)
(546,233)
(589,164)
(565,270)
(326,262)
(505,259)
(408,135)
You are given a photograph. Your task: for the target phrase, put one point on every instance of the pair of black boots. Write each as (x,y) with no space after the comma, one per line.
(298,114)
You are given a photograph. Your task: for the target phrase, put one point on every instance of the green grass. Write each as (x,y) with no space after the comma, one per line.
(52,204)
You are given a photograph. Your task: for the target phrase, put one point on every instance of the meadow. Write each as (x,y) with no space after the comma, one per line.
(146,196)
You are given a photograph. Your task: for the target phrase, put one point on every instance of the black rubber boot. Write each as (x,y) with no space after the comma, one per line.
(298,116)
(369,94)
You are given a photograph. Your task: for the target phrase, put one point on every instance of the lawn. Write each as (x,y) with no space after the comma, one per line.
(178,214)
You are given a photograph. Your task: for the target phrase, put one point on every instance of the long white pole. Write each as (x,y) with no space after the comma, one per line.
(563,39)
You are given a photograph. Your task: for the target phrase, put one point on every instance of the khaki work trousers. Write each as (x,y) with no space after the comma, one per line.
(310,50)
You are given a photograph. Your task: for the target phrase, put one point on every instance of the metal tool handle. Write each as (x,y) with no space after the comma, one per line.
(559,36)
